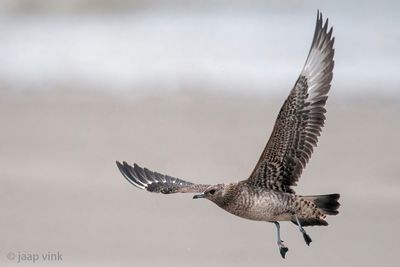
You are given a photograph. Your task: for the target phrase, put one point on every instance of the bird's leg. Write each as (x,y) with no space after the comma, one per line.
(306,237)
(282,248)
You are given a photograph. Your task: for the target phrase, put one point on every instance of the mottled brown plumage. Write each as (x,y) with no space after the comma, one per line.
(267,195)
(300,120)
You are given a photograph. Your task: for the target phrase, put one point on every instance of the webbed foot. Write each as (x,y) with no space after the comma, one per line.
(282,249)
(307,238)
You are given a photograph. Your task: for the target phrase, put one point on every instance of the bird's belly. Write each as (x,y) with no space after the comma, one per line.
(258,213)
(265,208)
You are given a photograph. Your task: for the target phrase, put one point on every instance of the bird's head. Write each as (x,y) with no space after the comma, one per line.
(218,194)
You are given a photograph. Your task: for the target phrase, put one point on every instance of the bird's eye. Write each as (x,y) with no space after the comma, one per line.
(212,191)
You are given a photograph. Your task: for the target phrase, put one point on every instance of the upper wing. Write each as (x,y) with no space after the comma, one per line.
(156,182)
(300,119)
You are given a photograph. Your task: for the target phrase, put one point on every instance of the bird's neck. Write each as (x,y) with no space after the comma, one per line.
(229,196)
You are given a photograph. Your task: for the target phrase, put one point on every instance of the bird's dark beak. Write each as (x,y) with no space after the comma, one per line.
(199,196)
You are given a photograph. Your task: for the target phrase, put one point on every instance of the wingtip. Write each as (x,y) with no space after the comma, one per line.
(124,168)
(319,16)
(119,165)
(320,21)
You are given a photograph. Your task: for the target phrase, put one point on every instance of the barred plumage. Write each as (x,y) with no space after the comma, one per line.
(300,120)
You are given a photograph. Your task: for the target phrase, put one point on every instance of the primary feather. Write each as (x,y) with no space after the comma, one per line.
(156,182)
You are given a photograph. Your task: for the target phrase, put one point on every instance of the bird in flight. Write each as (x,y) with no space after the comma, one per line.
(268,194)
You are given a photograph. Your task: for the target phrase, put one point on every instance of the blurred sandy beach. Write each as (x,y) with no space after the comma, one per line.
(61,191)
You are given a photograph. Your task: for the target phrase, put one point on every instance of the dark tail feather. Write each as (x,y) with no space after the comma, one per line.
(311,222)
(328,204)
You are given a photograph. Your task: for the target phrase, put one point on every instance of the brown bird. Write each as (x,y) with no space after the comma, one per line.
(267,195)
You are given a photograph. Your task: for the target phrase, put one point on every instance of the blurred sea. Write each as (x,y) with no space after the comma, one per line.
(250,48)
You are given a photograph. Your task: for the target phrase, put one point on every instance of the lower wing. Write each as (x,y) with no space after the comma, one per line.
(156,182)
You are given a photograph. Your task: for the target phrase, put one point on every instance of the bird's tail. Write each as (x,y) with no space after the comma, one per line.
(327,204)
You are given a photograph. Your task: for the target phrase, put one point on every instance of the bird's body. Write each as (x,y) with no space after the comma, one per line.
(260,204)
(268,194)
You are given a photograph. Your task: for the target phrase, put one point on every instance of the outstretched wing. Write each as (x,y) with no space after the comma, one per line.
(300,119)
(157,182)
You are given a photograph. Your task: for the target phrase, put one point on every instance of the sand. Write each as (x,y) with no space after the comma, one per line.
(60,190)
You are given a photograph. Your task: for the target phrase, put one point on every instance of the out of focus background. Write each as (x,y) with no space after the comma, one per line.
(190,89)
